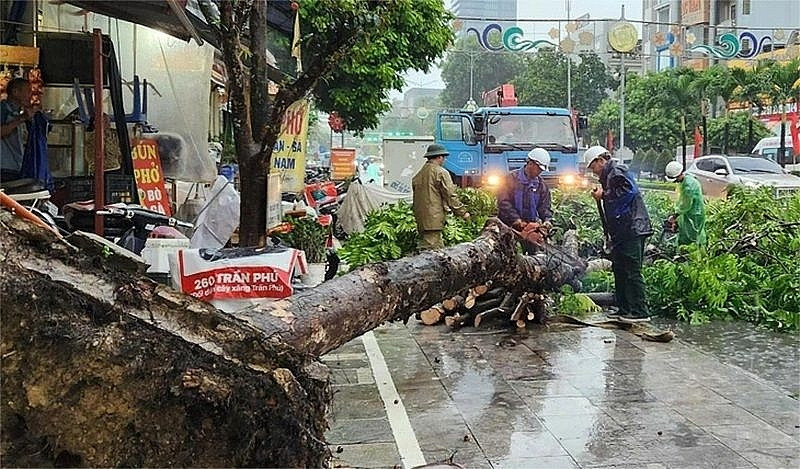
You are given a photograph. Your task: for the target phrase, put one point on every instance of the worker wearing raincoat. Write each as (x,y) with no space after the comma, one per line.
(434,194)
(690,208)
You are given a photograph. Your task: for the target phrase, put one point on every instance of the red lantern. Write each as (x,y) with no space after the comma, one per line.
(336,123)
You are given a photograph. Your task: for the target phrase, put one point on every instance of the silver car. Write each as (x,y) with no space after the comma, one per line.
(717,172)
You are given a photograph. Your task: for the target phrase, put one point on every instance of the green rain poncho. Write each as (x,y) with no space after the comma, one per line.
(691,212)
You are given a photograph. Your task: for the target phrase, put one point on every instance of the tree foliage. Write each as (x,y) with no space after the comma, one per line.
(654,107)
(489,69)
(543,81)
(391,232)
(353,52)
(738,131)
(750,269)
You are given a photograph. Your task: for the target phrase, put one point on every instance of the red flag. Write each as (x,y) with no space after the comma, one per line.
(795,133)
(698,142)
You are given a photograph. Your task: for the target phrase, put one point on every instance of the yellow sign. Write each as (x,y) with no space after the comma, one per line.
(623,37)
(289,153)
(19,55)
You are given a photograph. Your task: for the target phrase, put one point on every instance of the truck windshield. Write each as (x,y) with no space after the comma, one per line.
(531,129)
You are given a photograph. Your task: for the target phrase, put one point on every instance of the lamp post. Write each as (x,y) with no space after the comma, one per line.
(622,104)
(569,69)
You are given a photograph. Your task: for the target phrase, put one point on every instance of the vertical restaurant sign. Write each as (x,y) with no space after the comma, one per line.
(342,163)
(149,177)
(289,153)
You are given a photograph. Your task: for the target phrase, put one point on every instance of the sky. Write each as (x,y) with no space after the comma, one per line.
(540,9)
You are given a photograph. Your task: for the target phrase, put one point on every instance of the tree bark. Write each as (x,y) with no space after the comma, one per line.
(104,368)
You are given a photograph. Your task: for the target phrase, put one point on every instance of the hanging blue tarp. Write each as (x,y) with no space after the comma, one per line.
(34,163)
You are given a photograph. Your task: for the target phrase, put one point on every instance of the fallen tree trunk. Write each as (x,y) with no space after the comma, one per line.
(104,368)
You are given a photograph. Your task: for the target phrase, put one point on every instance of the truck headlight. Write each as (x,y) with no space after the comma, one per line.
(493,180)
(569,180)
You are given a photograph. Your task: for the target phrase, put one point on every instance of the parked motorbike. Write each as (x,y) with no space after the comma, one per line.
(143,224)
(34,196)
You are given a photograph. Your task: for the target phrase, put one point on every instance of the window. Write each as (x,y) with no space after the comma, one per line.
(706,165)
(745,7)
(456,128)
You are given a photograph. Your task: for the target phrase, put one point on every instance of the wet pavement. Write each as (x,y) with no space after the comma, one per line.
(564,398)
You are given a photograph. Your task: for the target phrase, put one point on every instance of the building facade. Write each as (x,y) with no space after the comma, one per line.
(758,26)
(487,11)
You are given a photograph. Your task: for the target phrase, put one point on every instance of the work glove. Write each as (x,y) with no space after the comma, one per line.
(519,225)
(532,233)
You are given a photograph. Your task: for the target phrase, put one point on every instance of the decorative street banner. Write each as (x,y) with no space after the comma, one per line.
(342,163)
(289,153)
(149,177)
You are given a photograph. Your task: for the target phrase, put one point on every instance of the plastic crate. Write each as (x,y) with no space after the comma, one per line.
(118,188)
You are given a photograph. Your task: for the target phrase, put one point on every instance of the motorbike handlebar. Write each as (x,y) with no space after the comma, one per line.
(148,215)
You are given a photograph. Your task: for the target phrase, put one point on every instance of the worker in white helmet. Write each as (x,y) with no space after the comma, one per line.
(628,227)
(524,202)
(690,209)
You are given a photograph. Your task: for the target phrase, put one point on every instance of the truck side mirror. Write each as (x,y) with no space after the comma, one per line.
(583,122)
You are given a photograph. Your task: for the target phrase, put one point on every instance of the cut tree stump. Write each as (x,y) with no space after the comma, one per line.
(103,367)
(432,315)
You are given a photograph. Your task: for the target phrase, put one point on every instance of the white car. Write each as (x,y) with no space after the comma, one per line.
(717,172)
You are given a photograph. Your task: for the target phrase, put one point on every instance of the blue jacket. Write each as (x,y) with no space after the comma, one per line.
(523,198)
(626,214)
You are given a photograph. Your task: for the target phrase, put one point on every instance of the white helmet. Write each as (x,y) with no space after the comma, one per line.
(541,157)
(673,170)
(595,152)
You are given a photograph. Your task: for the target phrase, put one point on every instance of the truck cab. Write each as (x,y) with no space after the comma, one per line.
(486,144)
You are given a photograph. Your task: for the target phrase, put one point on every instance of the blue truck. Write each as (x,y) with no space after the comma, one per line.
(486,144)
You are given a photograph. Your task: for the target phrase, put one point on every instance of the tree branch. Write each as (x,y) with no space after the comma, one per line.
(232,50)
(259,96)
(303,85)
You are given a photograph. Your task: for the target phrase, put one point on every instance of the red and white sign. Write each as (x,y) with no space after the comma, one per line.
(149,177)
(343,163)
(267,275)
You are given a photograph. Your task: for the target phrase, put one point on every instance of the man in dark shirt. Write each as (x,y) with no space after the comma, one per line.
(628,226)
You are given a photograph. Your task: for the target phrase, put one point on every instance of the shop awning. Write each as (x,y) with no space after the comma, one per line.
(159,15)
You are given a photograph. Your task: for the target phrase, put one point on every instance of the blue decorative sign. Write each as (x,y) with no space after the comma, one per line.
(512,39)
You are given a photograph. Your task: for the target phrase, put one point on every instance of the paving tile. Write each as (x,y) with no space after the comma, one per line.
(705,457)
(641,413)
(785,458)
(348,376)
(586,427)
(369,455)
(357,402)
(765,401)
(543,462)
(609,452)
(467,457)
(354,431)
(752,437)
(716,414)
(787,422)
(561,406)
(545,388)
(693,394)
(655,465)
(500,445)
